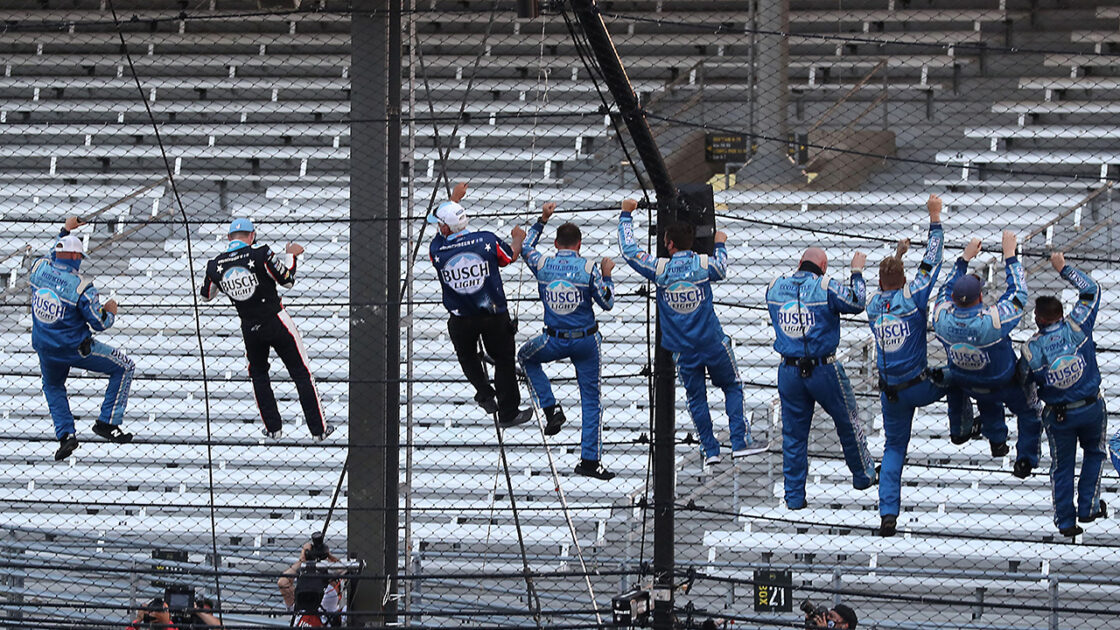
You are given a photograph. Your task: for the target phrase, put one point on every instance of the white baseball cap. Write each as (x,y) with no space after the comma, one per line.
(71,244)
(450,214)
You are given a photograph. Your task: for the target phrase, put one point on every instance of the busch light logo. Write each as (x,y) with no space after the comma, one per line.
(1065,371)
(239,283)
(46,307)
(684,297)
(968,357)
(891,332)
(465,273)
(794,321)
(562,297)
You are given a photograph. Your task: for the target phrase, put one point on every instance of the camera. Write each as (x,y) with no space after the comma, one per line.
(179,598)
(813,610)
(318,550)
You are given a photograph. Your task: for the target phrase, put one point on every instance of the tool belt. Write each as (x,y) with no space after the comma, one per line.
(892,391)
(1060,409)
(805,365)
(571,334)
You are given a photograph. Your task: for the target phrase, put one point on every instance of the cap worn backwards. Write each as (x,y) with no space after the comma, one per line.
(450,214)
(241,225)
(71,244)
(966,290)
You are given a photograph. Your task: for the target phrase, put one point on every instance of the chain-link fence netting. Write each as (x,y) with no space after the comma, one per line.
(156,127)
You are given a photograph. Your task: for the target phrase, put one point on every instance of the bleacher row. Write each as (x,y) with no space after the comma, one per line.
(262,107)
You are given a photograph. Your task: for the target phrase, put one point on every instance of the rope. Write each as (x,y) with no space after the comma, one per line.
(194,296)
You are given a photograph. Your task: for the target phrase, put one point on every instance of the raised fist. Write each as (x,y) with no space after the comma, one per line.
(721,237)
(1058,260)
(971,249)
(1009,243)
(629,205)
(110,306)
(902,247)
(458,192)
(933,204)
(546,211)
(294,249)
(518,233)
(859,260)
(608,266)
(73,223)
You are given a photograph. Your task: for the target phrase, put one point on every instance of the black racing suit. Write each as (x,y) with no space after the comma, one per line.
(249,275)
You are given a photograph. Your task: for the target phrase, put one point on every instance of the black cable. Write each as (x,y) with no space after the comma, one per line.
(197,318)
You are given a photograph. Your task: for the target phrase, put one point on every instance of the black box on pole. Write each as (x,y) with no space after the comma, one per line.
(696,206)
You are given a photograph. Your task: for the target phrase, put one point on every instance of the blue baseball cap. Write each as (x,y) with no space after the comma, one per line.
(241,225)
(966,290)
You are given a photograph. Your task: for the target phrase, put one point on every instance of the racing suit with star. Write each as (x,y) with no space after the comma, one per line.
(982,360)
(467,265)
(567,284)
(1062,360)
(692,332)
(65,306)
(248,275)
(898,325)
(805,312)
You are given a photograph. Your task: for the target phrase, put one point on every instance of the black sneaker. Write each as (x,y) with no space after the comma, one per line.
(593,468)
(1101,513)
(522,417)
(554,419)
(972,435)
(1022,469)
(488,403)
(999,449)
(112,432)
(1071,531)
(888,526)
(66,445)
(324,435)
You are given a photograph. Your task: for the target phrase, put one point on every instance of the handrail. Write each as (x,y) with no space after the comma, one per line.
(843,99)
(25,250)
(1081,238)
(1065,213)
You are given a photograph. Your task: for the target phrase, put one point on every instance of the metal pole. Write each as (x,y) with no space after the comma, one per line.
(664,473)
(375,312)
(409,331)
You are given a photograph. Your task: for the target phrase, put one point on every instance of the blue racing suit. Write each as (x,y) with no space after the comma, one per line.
(982,361)
(64,307)
(692,332)
(805,311)
(898,324)
(1062,360)
(567,284)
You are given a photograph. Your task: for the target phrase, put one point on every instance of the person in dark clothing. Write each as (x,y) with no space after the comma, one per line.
(467,265)
(248,275)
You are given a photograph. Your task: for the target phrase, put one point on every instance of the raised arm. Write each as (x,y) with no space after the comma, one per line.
(89,304)
(638,260)
(717,264)
(283,271)
(1084,313)
(529,253)
(945,295)
(602,286)
(926,276)
(853,297)
(1012,304)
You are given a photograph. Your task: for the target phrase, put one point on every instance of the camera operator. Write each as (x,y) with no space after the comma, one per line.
(157,614)
(839,616)
(328,610)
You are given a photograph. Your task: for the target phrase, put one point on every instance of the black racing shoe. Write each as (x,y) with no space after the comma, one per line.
(325,434)
(972,435)
(488,403)
(999,449)
(522,417)
(1101,513)
(1071,531)
(112,432)
(554,419)
(888,526)
(593,468)
(66,445)
(1022,469)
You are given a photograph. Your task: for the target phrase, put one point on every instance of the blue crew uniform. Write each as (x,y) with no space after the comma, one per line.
(1062,360)
(692,332)
(898,324)
(65,306)
(982,360)
(568,284)
(467,265)
(805,311)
